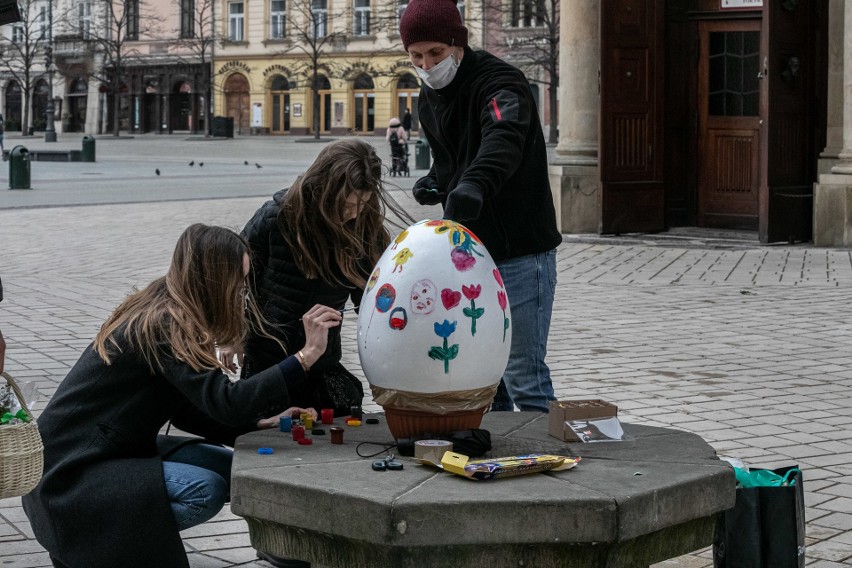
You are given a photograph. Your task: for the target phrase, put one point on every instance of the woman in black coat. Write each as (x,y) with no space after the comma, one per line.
(108,496)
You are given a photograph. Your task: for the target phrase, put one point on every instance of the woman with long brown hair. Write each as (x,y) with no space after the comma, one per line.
(314,243)
(110,496)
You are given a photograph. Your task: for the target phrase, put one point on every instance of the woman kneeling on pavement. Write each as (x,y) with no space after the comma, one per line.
(114,492)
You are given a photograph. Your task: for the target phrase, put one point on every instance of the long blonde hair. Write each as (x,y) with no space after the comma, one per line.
(198,304)
(312,221)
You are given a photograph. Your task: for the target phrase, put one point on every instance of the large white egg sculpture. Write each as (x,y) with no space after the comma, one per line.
(434,329)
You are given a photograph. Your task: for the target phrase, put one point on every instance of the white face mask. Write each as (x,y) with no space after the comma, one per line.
(441,74)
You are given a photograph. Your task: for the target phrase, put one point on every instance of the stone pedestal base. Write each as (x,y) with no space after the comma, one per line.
(833,211)
(576,197)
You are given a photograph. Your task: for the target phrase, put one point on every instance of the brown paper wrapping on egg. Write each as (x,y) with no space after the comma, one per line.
(437,403)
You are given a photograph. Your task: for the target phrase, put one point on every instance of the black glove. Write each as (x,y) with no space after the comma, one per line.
(464,203)
(425,195)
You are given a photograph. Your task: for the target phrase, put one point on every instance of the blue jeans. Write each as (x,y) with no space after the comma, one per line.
(530,286)
(198,482)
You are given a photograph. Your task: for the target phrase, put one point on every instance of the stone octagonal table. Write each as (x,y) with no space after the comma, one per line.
(631,503)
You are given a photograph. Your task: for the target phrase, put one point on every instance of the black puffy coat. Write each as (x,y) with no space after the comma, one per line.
(284,293)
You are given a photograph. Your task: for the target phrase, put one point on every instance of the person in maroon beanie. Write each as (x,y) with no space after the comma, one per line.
(490,174)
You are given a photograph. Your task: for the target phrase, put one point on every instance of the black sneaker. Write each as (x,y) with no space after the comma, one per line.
(281,562)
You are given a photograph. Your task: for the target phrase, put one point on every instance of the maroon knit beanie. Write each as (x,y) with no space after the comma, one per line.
(432,20)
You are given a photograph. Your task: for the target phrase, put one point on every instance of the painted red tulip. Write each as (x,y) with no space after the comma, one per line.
(501,299)
(472,292)
(497,277)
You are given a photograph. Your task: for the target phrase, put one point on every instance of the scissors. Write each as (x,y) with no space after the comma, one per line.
(389,463)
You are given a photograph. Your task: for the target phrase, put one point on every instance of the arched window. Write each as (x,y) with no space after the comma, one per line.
(279,83)
(363,81)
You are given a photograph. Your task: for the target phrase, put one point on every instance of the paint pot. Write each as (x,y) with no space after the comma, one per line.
(336,435)
(353,422)
(285,423)
(307,420)
(356,412)
(298,432)
(327,415)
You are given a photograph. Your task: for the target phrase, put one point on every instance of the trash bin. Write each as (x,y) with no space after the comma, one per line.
(88,148)
(19,168)
(223,127)
(421,154)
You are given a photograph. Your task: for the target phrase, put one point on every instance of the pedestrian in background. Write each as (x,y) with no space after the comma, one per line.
(490,174)
(113,493)
(406,123)
(398,140)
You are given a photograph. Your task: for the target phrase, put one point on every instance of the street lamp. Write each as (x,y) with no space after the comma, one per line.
(50,110)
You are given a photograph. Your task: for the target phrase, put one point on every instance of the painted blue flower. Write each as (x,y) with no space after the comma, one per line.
(445,329)
(447,352)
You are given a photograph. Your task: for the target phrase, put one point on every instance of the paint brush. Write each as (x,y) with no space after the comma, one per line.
(343,311)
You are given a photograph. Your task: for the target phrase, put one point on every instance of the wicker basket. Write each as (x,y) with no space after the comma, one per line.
(21,453)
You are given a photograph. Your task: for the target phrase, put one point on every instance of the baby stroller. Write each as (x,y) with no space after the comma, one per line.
(399,157)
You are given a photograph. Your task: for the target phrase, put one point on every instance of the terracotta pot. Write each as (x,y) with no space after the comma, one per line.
(404,423)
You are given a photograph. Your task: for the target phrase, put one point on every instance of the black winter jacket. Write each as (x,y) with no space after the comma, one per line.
(484,131)
(102,501)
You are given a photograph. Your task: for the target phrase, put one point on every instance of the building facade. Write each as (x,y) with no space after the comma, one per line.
(272,53)
(708,113)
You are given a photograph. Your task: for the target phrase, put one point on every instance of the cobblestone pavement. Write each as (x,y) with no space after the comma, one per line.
(747,346)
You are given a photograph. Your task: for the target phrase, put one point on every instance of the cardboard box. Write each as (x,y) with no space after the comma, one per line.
(564,411)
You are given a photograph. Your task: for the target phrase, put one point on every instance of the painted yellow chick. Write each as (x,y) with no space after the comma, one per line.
(401,258)
(399,238)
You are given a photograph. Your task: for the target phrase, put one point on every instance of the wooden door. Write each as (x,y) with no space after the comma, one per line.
(729,124)
(631,157)
(790,44)
(237,102)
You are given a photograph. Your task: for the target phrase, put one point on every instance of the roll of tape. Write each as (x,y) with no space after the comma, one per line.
(432,450)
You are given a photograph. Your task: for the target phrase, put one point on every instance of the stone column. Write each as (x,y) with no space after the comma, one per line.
(844,166)
(574,177)
(833,193)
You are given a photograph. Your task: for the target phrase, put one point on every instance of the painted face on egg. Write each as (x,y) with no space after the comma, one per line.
(423,296)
